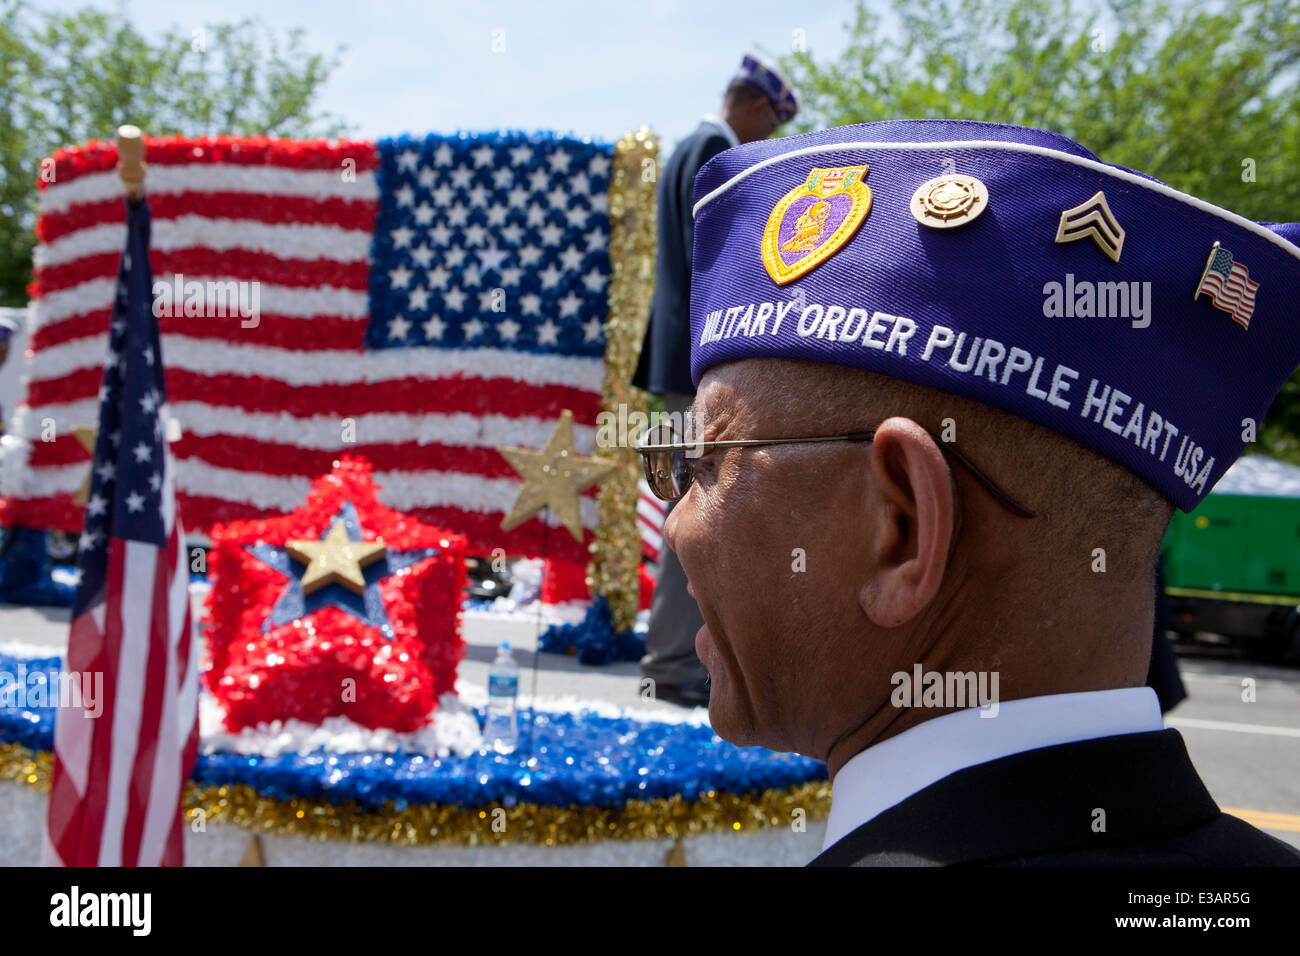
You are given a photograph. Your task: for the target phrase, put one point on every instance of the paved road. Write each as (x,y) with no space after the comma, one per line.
(44,630)
(1247,752)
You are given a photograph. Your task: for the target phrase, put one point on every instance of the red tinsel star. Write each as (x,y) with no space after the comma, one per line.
(329,662)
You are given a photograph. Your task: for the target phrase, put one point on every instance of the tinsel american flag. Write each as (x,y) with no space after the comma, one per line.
(416,301)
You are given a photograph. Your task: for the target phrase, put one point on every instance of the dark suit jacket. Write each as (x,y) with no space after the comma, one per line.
(1037,809)
(1162,672)
(665,363)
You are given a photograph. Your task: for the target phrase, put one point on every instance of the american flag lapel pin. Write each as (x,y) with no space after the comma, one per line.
(1229,285)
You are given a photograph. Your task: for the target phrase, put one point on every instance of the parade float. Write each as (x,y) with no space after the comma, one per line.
(379,356)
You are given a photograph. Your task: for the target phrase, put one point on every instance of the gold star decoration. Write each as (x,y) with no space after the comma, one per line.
(336,560)
(85,434)
(553,477)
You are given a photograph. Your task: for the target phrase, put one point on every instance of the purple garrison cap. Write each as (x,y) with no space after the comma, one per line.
(763,75)
(1010,266)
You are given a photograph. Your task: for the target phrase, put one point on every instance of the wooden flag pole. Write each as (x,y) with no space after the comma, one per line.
(130,161)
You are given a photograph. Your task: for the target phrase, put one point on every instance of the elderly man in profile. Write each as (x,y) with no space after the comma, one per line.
(756,102)
(904,468)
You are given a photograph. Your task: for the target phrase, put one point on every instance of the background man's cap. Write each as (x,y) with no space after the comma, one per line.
(1009,266)
(763,75)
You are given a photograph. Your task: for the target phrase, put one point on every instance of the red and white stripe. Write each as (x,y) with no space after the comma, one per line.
(115,795)
(265,410)
(650,516)
(1237,295)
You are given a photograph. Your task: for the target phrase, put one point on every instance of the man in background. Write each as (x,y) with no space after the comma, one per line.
(756,102)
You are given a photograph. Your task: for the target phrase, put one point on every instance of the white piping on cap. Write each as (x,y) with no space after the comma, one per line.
(1090,164)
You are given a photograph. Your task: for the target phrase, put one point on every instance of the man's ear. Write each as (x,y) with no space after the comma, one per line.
(912,506)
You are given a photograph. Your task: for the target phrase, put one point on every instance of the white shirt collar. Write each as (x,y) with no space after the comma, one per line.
(727,131)
(891,771)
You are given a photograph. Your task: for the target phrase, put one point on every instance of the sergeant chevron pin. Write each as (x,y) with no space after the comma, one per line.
(1093,218)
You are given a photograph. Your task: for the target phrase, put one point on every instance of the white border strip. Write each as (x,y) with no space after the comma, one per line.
(452,729)
(290,240)
(325,432)
(473,694)
(401,490)
(1093,165)
(202,177)
(288,301)
(332,366)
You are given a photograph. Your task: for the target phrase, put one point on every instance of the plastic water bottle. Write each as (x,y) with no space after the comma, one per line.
(501,732)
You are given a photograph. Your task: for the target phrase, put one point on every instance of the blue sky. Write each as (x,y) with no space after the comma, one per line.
(588,68)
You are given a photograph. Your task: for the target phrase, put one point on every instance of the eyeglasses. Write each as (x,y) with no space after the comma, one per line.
(669,471)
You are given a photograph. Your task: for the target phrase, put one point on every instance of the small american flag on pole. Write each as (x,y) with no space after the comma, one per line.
(1229,285)
(115,795)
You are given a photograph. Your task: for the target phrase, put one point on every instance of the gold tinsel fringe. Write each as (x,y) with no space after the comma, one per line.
(432,824)
(616,548)
(18,764)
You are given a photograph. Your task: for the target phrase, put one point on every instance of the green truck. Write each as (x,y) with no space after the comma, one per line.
(1232,566)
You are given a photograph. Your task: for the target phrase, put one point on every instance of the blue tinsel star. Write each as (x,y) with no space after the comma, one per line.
(368,607)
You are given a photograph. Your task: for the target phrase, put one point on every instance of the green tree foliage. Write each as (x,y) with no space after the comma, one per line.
(1205,97)
(68,78)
